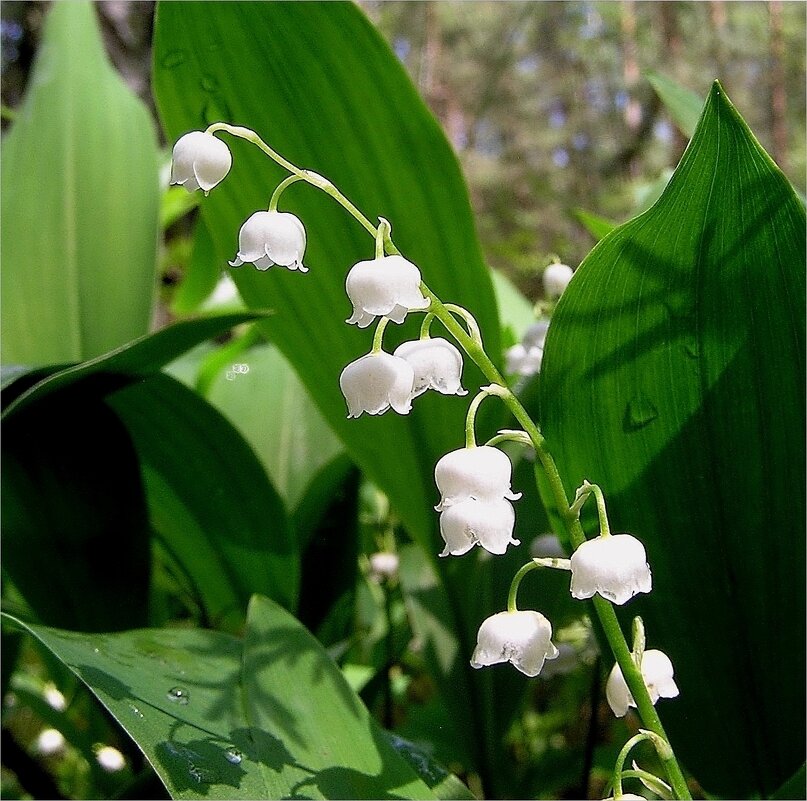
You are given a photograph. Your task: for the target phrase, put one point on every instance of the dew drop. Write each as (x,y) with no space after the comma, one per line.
(692,348)
(230,375)
(201,775)
(241,368)
(178,695)
(641,411)
(136,712)
(233,755)
(173,59)
(210,83)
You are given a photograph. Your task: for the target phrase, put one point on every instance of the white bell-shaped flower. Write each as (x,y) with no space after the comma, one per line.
(472,522)
(482,472)
(657,672)
(556,279)
(385,287)
(376,382)
(522,638)
(199,161)
(626,797)
(614,566)
(437,365)
(520,360)
(271,237)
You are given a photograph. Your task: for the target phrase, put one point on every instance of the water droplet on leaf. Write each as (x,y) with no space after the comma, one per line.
(210,83)
(173,59)
(234,756)
(641,411)
(178,695)
(135,711)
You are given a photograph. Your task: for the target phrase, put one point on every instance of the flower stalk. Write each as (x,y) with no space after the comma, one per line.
(551,486)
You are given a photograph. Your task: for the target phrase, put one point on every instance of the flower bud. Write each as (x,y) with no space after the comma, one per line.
(376,382)
(472,522)
(482,472)
(199,161)
(385,287)
(522,638)
(437,365)
(271,237)
(556,279)
(523,361)
(657,672)
(614,566)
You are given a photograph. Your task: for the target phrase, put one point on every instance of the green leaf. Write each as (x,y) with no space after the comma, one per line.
(271,408)
(75,528)
(597,226)
(202,276)
(794,787)
(269,716)
(684,105)
(674,377)
(305,77)
(135,359)
(210,500)
(80,203)
(515,311)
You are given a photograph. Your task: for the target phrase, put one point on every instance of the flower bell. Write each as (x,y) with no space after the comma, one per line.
(481,472)
(271,237)
(376,382)
(523,361)
(657,672)
(473,522)
(199,161)
(437,365)
(556,278)
(388,286)
(522,638)
(614,566)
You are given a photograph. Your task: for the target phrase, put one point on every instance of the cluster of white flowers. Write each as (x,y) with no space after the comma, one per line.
(475,506)
(474,482)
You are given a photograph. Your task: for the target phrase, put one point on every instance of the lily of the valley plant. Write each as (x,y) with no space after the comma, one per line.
(476,498)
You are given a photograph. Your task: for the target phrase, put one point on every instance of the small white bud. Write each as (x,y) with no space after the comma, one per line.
(556,279)
(49,742)
(385,287)
(657,672)
(199,161)
(110,759)
(271,237)
(376,382)
(522,638)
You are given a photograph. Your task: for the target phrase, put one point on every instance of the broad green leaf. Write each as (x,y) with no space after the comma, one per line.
(75,527)
(80,203)
(210,500)
(597,226)
(684,105)
(794,787)
(269,405)
(269,716)
(306,76)
(134,359)
(515,311)
(674,377)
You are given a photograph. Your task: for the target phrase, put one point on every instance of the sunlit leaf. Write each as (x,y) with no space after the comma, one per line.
(80,203)
(674,377)
(214,715)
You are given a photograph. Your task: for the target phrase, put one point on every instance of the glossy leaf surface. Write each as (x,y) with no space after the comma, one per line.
(80,203)
(673,377)
(214,716)
(210,500)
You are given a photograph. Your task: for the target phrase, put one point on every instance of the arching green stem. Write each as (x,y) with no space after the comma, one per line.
(470,418)
(533,564)
(580,498)
(281,187)
(378,336)
(383,231)
(306,175)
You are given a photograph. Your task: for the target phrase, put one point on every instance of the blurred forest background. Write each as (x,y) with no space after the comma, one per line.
(546,103)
